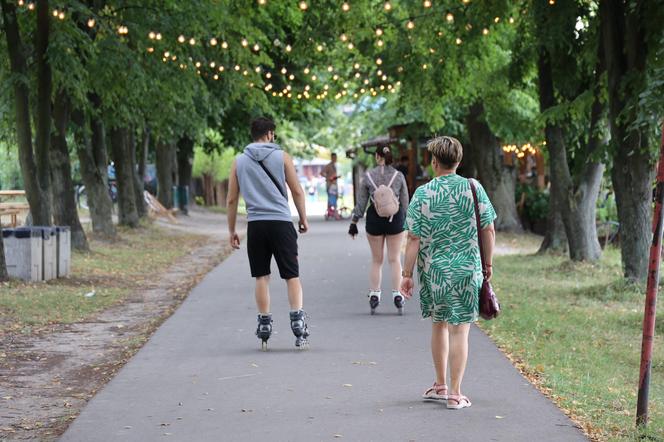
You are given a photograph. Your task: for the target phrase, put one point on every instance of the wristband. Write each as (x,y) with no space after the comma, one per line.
(406,273)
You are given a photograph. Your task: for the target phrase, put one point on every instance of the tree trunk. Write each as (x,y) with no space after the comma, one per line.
(94,161)
(143,154)
(37,200)
(3,265)
(141,209)
(498,180)
(185,156)
(165,161)
(555,239)
(43,110)
(577,205)
(65,212)
(632,173)
(127,213)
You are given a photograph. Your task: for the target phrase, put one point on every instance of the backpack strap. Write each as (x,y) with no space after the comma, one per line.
(372,181)
(393,178)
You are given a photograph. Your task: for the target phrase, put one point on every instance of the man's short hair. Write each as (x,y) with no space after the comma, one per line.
(404,158)
(260,127)
(334,155)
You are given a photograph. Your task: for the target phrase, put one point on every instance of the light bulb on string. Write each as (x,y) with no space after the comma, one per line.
(31,6)
(427,3)
(284,71)
(150,49)
(343,37)
(449,17)
(458,41)
(262,2)
(387,6)
(379,72)
(379,32)
(291,77)
(314,77)
(330,68)
(303,6)
(181,39)
(306,70)
(212,64)
(485,31)
(213,42)
(410,24)
(356,65)
(289,48)
(380,43)
(379,61)
(151,35)
(237,67)
(268,75)
(221,69)
(198,64)
(224,45)
(55,13)
(158,36)
(91,23)
(351,46)
(335,77)
(345,7)
(244,42)
(256,47)
(319,48)
(192,41)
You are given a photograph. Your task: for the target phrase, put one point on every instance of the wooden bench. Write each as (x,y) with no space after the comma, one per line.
(13,210)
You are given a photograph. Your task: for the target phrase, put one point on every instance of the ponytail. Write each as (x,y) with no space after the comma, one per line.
(385,152)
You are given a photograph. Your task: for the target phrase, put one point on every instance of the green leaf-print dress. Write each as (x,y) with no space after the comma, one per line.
(442,215)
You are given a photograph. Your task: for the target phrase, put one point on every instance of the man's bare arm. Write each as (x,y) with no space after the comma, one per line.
(296,191)
(232,200)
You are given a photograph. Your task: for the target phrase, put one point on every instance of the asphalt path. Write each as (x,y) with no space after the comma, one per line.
(203,376)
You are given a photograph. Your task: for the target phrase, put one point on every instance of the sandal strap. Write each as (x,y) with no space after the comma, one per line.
(458,398)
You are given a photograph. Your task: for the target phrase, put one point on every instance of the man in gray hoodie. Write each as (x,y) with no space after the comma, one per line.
(261,174)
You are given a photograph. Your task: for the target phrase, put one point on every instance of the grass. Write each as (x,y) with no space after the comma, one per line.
(575,330)
(113,271)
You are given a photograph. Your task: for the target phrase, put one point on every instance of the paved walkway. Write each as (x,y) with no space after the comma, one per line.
(202,377)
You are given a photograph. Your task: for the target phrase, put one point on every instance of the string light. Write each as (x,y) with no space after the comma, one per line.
(449,17)
(91,23)
(387,6)
(351,46)
(192,41)
(379,32)
(343,37)
(345,7)
(224,45)
(303,6)
(379,43)
(181,39)
(288,48)
(410,24)
(427,3)
(485,31)
(213,42)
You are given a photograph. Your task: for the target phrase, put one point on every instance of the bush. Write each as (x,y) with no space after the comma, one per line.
(534,204)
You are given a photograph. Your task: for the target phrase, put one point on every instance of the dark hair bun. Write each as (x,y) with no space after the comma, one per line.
(385,152)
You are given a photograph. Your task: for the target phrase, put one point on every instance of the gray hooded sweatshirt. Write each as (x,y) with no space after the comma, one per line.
(264,201)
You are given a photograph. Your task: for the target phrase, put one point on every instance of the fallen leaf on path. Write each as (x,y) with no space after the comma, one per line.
(7,398)
(210,409)
(500,417)
(254,365)
(348,385)
(168,434)
(128,427)
(164,424)
(247,410)
(338,436)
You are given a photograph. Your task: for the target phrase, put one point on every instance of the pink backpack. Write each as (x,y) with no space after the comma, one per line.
(385,201)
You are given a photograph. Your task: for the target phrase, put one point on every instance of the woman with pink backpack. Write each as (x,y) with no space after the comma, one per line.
(385,191)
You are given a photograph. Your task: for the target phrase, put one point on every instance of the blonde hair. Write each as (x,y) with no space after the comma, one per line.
(447,150)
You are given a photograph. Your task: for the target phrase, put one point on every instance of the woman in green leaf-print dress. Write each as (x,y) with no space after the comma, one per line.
(442,237)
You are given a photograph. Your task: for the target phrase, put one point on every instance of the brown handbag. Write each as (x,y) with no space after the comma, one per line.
(489,305)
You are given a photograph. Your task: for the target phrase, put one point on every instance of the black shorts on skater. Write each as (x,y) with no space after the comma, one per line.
(268,238)
(377,225)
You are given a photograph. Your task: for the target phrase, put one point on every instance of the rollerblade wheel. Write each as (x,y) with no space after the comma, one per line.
(302,344)
(264,345)
(400,311)
(373,303)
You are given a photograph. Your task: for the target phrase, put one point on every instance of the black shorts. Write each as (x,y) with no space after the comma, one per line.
(378,225)
(267,238)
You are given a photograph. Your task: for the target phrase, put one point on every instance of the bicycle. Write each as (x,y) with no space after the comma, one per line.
(335,212)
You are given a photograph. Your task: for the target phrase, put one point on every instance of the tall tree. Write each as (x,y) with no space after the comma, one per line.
(65,212)
(3,263)
(43,116)
(626,48)
(37,199)
(124,172)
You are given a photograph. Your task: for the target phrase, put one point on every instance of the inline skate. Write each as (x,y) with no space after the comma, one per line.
(264,329)
(300,329)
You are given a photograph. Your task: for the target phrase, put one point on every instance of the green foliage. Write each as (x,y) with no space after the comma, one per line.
(535,202)
(213,158)
(10,172)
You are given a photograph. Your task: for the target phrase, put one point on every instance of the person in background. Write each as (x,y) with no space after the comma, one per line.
(382,231)
(329,172)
